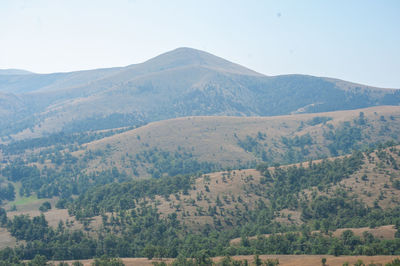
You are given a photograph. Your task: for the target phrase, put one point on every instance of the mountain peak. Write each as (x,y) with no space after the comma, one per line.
(187,50)
(185,57)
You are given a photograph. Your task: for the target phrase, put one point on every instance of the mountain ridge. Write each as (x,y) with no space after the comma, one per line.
(181,82)
(14,71)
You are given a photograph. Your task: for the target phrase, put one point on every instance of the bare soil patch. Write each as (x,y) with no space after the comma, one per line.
(6,239)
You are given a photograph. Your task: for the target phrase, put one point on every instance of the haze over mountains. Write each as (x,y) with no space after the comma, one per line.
(182,82)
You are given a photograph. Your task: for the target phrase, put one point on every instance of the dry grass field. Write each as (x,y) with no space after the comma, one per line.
(382,232)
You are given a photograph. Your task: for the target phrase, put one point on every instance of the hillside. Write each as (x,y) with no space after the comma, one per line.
(69,164)
(219,199)
(240,142)
(182,82)
(293,204)
(297,206)
(184,153)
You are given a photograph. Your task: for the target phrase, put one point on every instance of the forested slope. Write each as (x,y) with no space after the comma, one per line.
(199,215)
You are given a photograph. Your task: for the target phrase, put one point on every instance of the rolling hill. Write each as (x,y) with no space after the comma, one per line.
(240,142)
(70,164)
(220,199)
(182,82)
(362,198)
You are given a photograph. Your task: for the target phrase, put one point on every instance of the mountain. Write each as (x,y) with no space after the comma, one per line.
(180,58)
(188,155)
(182,82)
(12,71)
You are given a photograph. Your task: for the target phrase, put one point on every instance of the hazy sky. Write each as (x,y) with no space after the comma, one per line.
(357,41)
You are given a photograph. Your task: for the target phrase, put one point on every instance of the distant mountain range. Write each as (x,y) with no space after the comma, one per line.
(182,82)
(12,71)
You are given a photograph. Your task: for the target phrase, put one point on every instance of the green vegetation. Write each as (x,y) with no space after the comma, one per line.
(115,120)
(124,196)
(286,183)
(297,141)
(316,243)
(6,191)
(253,145)
(344,139)
(58,140)
(203,259)
(395,262)
(45,206)
(295,147)
(172,164)
(106,261)
(25,200)
(64,181)
(319,120)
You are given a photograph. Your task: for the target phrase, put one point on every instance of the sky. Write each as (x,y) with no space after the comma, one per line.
(354,40)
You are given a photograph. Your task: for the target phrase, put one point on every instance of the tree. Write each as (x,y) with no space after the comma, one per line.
(257,260)
(45,206)
(3,217)
(271,262)
(149,251)
(359,263)
(38,260)
(203,258)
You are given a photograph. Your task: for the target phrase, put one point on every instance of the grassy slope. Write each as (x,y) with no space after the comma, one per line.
(215,139)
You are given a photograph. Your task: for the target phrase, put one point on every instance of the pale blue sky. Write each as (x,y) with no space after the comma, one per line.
(352,40)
